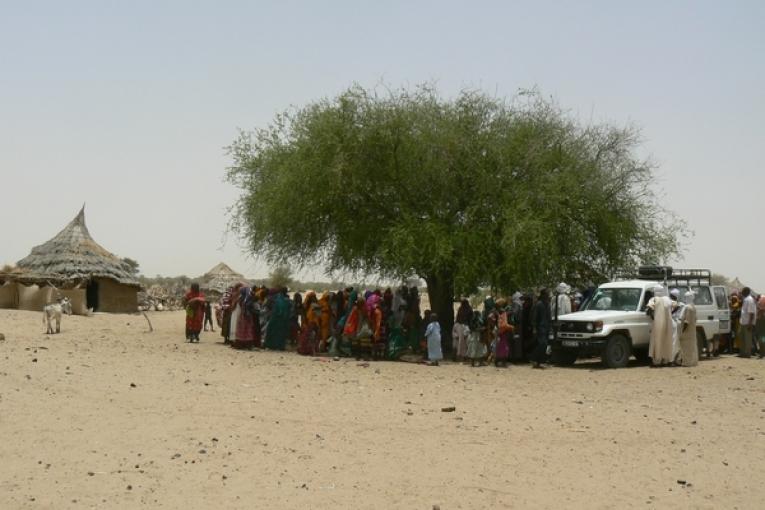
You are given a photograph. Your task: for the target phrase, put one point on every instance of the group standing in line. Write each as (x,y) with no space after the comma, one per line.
(387,324)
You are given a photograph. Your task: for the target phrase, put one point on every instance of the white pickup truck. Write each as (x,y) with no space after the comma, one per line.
(613,324)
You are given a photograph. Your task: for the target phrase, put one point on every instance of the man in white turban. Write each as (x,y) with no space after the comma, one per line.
(562,305)
(689,350)
(660,346)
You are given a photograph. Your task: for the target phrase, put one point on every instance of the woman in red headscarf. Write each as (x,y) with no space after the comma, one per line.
(194,301)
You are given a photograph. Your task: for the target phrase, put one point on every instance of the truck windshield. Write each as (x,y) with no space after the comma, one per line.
(622,300)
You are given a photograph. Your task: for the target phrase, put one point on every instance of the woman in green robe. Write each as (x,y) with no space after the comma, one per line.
(278,327)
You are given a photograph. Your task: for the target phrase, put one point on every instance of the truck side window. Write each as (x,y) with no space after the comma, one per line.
(703,296)
(722,301)
(646,299)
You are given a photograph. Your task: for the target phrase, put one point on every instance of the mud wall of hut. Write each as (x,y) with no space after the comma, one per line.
(116,298)
(78,300)
(16,295)
(9,296)
(33,297)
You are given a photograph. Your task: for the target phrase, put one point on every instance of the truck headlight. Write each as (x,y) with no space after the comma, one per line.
(590,327)
(598,325)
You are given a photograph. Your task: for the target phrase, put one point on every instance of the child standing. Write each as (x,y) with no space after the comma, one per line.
(476,349)
(433,338)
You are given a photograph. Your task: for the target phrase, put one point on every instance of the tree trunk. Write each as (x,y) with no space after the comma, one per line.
(441,295)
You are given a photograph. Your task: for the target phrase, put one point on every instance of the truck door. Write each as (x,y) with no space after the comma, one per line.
(723,310)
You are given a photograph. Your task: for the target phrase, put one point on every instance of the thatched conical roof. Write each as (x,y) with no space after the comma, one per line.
(73,254)
(220,278)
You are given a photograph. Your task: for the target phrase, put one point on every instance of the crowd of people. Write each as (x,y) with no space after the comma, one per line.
(387,324)
(376,324)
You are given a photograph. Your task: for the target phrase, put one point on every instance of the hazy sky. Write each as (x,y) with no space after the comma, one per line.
(128,105)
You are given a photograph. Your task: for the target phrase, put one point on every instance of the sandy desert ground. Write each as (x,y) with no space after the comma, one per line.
(108,415)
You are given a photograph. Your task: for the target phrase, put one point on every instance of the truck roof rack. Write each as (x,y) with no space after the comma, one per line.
(691,276)
(673,276)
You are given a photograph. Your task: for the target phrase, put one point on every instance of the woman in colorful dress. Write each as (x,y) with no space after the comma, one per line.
(296,312)
(397,342)
(504,334)
(325,320)
(279,321)
(476,349)
(227,305)
(308,343)
(246,331)
(194,302)
(356,330)
(461,330)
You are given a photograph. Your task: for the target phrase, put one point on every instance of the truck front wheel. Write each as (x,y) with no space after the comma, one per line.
(617,352)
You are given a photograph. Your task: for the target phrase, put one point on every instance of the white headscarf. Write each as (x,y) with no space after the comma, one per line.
(674,293)
(689,297)
(659,291)
(563,288)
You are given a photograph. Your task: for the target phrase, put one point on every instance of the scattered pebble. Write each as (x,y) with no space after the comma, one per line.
(449,409)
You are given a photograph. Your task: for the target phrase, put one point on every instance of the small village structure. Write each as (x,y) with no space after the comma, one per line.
(74,265)
(215,281)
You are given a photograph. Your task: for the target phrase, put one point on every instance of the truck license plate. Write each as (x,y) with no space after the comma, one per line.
(570,343)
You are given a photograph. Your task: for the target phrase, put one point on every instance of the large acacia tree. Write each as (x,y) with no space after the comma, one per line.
(461,192)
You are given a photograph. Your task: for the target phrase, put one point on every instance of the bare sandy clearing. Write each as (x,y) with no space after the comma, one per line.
(106,415)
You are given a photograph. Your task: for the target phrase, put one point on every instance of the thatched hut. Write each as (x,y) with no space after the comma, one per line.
(219,278)
(73,261)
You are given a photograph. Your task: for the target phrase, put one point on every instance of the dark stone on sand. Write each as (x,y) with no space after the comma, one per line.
(449,409)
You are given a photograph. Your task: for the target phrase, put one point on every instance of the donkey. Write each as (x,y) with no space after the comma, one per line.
(53,312)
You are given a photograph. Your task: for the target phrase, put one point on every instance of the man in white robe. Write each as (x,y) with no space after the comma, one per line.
(677,309)
(562,305)
(660,346)
(689,349)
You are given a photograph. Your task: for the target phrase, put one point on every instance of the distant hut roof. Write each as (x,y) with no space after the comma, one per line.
(220,278)
(736,284)
(73,254)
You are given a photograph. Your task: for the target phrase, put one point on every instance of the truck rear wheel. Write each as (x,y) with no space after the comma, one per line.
(617,352)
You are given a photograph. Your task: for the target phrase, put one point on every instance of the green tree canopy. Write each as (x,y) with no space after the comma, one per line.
(462,192)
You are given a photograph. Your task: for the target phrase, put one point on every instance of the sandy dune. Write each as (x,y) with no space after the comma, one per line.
(107,415)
